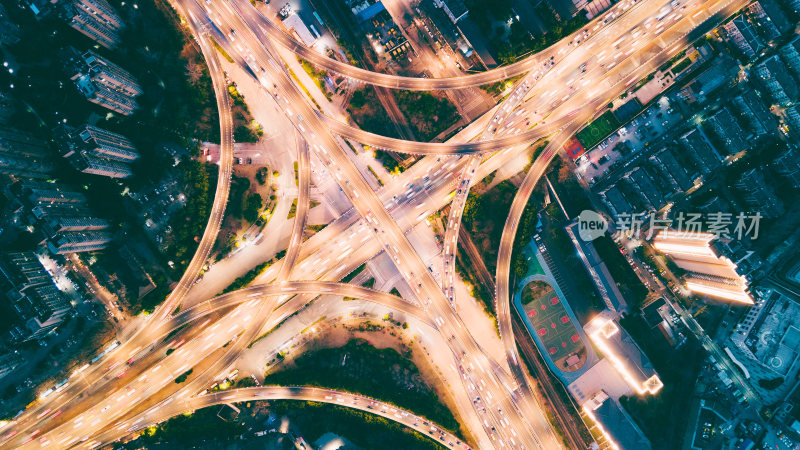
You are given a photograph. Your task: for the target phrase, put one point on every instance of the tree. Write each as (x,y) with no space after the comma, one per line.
(253,205)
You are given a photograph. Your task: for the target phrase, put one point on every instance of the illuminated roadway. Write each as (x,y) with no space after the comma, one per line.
(314,394)
(397,239)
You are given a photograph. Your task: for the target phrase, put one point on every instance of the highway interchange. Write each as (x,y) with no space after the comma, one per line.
(565,86)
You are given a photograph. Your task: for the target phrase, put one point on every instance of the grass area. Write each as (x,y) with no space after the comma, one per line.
(318,76)
(683,64)
(478,291)
(501,86)
(349,277)
(534,267)
(383,374)
(248,278)
(394,291)
(427,114)
(597,130)
(534,290)
(369,283)
(372,171)
(388,161)
(292,210)
(368,113)
(245,129)
(221,50)
(484,216)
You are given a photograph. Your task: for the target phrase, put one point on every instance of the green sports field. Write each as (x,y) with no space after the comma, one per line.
(552,324)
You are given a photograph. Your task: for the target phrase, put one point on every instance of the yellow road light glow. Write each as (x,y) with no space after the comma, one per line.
(600,427)
(599,337)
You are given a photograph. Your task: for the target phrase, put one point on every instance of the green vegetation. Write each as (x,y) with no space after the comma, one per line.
(296,174)
(372,171)
(368,113)
(388,161)
(292,210)
(261,175)
(189,223)
(245,128)
(597,130)
(394,291)
(221,50)
(248,278)
(662,417)
(499,87)
(177,108)
(362,428)
(678,68)
(383,374)
(189,431)
(427,114)
(525,232)
(182,377)
(664,67)
(253,206)
(349,277)
(317,75)
(626,279)
(237,197)
(519,41)
(484,217)
(246,382)
(478,291)
(369,283)
(534,290)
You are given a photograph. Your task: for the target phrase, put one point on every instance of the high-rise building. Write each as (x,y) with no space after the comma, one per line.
(97,151)
(43,199)
(23,155)
(95,19)
(776,80)
(33,296)
(78,241)
(709,272)
(103,82)
(65,224)
(743,35)
(758,195)
(93,164)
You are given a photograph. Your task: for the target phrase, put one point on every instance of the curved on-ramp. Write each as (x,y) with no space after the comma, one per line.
(299,393)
